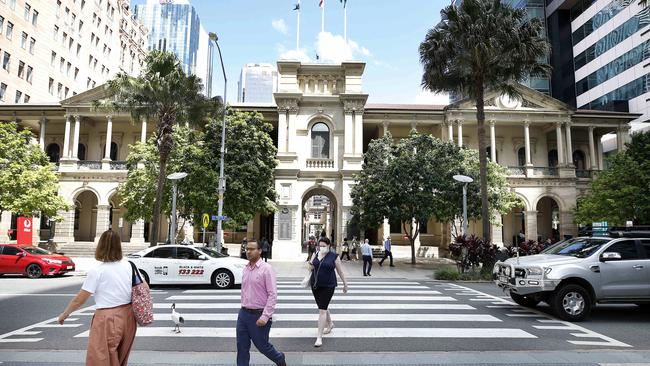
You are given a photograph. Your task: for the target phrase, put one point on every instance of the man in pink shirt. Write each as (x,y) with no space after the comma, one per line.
(259,295)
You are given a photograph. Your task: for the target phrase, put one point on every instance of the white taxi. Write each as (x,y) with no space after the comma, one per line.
(186,264)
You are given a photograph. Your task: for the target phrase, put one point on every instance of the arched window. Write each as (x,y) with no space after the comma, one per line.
(81,152)
(113,151)
(521,156)
(579,160)
(552,158)
(53,152)
(320,141)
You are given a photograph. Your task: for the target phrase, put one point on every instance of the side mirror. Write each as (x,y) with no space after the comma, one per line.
(610,256)
(203,257)
(22,254)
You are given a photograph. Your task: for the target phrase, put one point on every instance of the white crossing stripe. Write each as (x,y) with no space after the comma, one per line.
(312,306)
(20,340)
(310,297)
(344,317)
(340,333)
(356,283)
(308,291)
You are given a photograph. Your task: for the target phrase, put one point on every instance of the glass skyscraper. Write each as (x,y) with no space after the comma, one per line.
(257,83)
(175,26)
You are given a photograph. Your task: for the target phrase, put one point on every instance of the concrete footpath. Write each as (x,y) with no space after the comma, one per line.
(555,358)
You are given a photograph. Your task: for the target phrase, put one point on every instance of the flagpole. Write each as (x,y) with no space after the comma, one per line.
(298,29)
(345,22)
(322,18)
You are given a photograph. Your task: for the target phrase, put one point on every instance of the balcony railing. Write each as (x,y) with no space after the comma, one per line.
(118,165)
(517,170)
(89,164)
(320,163)
(545,171)
(584,173)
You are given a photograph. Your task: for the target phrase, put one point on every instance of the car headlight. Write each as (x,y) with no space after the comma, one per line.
(52,261)
(507,271)
(535,271)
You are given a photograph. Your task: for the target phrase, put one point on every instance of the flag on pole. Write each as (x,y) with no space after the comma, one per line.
(344,2)
(320,3)
(296,7)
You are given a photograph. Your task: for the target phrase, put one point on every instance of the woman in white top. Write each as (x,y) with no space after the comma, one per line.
(113,326)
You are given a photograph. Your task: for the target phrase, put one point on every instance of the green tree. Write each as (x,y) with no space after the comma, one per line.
(28,185)
(162,92)
(621,192)
(482,45)
(249,166)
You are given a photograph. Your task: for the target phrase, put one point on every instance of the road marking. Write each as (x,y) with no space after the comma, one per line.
(366,306)
(308,291)
(340,333)
(20,340)
(4,338)
(309,297)
(357,283)
(344,317)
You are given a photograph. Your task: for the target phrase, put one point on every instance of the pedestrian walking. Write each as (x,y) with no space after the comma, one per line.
(311,247)
(113,327)
(266,248)
(345,249)
(355,248)
(259,295)
(387,252)
(242,249)
(323,284)
(366,253)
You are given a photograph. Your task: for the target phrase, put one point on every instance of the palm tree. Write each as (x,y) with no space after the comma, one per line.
(162,92)
(477,46)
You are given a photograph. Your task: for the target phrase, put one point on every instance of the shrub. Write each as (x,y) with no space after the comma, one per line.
(473,252)
(447,274)
(452,274)
(529,247)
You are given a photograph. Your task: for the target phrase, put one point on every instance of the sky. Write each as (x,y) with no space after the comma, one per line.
(385,34)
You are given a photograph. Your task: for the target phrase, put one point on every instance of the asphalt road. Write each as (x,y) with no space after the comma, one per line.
(377,315)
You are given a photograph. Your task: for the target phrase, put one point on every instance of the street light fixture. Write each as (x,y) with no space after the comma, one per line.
(222,181)
(465,180)
(174,177)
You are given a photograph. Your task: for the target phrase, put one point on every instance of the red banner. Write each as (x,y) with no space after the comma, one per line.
(24,234)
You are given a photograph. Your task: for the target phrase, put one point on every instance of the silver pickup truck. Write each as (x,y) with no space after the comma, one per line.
(574,275)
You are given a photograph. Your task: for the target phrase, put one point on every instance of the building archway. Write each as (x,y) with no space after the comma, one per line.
(320,211)
(548,219)
(85,216)
(116,221)
(53,152)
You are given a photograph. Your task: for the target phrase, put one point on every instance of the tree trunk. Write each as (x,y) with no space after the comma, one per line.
(411,238)
(162,169)
(482,156)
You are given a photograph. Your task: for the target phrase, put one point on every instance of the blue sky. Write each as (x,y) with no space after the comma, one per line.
(385,34)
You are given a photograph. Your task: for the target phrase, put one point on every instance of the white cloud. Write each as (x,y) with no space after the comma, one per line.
(427,97)
(280,26)
(329,48)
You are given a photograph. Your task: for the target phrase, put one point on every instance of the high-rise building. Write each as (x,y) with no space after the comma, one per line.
(600,54)
(174,25)
(52,50)
(257,83)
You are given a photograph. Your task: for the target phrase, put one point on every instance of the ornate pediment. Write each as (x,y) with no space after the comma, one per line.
(528,99)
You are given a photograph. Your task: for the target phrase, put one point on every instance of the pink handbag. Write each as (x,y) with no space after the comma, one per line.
(141,300)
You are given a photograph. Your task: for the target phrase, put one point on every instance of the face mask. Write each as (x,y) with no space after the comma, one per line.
(324,250)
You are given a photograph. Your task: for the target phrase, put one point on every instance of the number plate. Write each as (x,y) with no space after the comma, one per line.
(70,267)
(504,279)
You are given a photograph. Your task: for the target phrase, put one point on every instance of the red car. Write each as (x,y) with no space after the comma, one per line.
(33,262)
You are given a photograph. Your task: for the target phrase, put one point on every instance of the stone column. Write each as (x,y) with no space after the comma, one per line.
(109,137)
(5,224)
(66,137)
(103,216)
(459,122)
(529,162)
(143,133)
(493,144)
(560,144)
(358,132)
(64,230)
(75,140)
(137,232)
(569,145)
(282,129)
(292,116)
(450,131)
(567,226)
(41,133)
(599,152)
(349,133)
(622,137)
(386,123)
(531,225)
(592,149)
(497,232)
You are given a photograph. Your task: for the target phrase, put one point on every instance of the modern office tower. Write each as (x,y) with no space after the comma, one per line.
(52,50)
(257,83)
(601,54)
(175,26)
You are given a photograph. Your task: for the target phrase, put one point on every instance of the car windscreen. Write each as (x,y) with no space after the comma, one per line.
(578,247)
(211,252)
(36,250)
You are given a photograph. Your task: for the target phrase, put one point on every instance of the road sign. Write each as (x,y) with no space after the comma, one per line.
(220,218)
(206,220)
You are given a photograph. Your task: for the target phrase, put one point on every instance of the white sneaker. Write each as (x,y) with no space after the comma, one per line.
(318,343)
(328,330)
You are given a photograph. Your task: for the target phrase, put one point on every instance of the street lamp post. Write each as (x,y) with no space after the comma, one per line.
(222,180)
(465,180)
(174,177)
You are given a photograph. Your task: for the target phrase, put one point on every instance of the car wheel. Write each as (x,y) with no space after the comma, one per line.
(222,279)
(34,271)
(527,301)
(571,302)
(144,276)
